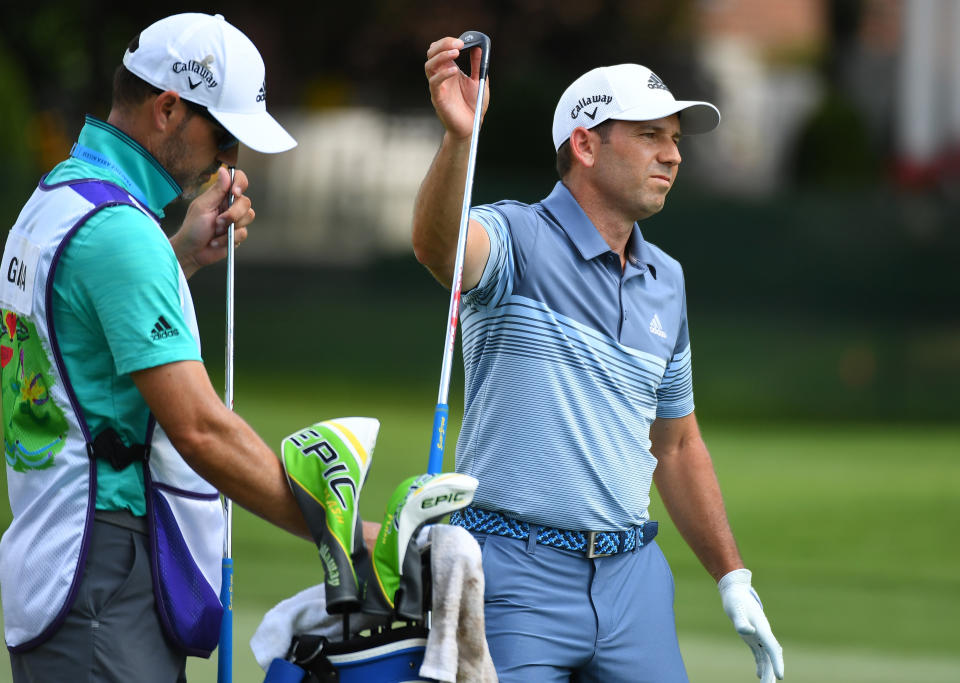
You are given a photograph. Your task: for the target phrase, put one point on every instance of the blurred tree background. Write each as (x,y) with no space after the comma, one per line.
(838,278)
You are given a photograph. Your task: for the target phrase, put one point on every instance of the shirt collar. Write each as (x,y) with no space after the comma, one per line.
(158,186)
(584,234)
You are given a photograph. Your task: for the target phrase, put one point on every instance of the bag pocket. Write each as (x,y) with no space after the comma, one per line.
(187,596)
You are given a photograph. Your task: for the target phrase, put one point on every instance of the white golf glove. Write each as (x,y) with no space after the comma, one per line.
(743,606)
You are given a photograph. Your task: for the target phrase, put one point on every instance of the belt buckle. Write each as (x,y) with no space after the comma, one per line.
(591,546)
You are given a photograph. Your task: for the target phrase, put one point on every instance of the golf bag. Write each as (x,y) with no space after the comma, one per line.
(390,652)
(386,596)
(394,656)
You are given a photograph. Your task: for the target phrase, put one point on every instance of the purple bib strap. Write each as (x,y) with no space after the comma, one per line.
(97,193)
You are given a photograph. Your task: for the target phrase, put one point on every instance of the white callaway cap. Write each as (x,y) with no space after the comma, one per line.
(211,63)
(625,92)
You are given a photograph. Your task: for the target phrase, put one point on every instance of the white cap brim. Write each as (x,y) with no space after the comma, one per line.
(695,117)
(259,131)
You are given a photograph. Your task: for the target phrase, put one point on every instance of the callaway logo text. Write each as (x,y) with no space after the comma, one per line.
(201,69)
(585,102)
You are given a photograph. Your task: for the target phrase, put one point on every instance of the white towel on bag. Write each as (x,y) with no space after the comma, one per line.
(305,612)
(456,644)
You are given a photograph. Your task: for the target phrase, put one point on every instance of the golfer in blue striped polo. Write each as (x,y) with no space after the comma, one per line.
(579,391)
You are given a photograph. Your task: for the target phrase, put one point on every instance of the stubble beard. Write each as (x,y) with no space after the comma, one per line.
(174,158)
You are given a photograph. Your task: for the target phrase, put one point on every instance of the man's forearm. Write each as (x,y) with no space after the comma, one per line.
(436,212)
(689,489)
(218,444)
(234,458)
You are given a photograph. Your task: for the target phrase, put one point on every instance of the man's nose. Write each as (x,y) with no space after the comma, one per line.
(671,154)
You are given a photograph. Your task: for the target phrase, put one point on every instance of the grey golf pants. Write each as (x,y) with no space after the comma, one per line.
(112,632)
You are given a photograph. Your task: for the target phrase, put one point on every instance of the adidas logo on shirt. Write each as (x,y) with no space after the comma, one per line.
(656,327)
(163,330)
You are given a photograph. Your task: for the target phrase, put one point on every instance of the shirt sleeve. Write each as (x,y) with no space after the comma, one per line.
(496,278)
(513,229)
(675,393)
(121,276)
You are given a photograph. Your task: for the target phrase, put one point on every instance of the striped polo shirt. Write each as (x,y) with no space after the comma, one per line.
(568,359)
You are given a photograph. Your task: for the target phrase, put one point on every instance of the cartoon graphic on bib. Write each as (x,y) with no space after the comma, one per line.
(34,427)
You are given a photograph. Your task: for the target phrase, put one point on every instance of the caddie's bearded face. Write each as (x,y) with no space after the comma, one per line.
(195,149)
(637,165)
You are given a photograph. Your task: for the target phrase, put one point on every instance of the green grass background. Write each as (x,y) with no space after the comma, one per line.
(849,530)
(848,521)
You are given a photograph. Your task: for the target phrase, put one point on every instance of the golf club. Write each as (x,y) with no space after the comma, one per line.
(225,654)
(471,39)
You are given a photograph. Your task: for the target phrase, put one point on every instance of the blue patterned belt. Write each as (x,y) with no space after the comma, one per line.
(592,543)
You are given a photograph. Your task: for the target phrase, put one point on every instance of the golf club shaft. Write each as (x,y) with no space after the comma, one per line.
(441,413)
(225,654)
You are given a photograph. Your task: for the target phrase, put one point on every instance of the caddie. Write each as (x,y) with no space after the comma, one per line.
(578,387)
(116,442)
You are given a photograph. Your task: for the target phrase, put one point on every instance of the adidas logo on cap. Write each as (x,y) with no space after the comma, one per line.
(654,83)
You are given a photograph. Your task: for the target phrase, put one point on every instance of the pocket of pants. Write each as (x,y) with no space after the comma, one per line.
(666,567)
(505,565)
(481,539)
(111,570)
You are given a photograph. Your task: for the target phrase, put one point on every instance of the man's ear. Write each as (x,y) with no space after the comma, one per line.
(165,112)
(583,146)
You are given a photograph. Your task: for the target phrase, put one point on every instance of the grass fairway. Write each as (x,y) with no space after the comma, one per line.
(850,532)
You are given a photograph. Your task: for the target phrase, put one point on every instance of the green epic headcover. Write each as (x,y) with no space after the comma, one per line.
(326,465)
(396,585)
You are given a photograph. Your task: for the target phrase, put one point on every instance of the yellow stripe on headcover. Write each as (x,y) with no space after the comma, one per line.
(348,553)
(376,574)
(305,489)
(352,438)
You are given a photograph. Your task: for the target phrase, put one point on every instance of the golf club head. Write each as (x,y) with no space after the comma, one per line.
(326,465)
(396,585)
(472,39)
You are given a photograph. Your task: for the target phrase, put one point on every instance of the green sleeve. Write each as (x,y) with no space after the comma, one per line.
(122,281)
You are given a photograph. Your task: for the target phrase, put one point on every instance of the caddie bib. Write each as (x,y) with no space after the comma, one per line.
(51,471)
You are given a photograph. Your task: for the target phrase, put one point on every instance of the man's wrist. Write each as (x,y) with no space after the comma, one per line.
(740,576)
(187,264)
(456,142)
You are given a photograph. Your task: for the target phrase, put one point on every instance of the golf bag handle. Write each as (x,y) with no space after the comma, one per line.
(473,39)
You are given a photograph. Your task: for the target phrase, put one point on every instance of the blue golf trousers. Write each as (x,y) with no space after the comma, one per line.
(554,615)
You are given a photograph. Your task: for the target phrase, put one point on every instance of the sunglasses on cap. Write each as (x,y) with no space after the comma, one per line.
(225,139)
